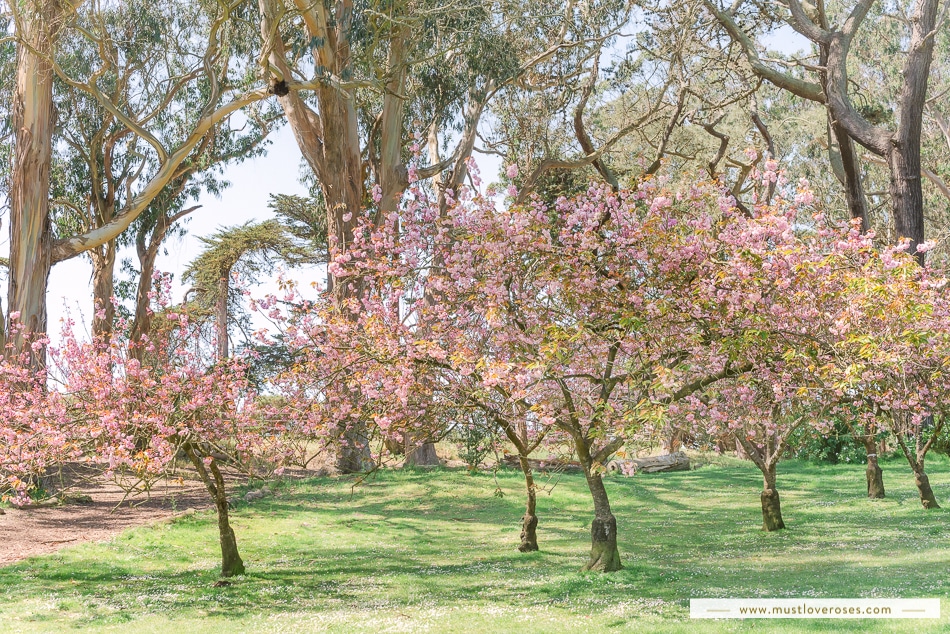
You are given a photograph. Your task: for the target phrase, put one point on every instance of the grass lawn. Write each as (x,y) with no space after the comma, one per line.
(415,551)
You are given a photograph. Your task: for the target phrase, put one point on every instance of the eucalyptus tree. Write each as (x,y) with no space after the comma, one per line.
(101,162)
(358,81)
(832,30)
(169,107)
(380,72)
(7,81)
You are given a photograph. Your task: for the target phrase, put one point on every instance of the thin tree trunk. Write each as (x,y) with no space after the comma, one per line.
(221,317)
(33,123)
(231,562)
(604,554)
(529,523)
(851,166)
(916,461)
(771,506)
(875,476)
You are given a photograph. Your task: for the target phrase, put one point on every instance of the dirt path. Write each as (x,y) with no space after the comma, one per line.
(38,530)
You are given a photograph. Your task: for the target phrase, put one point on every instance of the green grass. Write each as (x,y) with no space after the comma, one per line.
(416,551)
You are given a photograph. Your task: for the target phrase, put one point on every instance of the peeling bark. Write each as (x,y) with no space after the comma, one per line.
(33,124)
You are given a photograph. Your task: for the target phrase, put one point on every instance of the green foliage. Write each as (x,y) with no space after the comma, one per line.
(475,440)
(837,446)
(241,252)
(941,444)
(305,219)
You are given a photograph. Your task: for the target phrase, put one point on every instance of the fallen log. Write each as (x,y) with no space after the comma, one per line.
(562,466)
(677,461)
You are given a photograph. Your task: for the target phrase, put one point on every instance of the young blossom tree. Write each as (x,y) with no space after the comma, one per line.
(892,346)
(135,420)
(36,432)
(587,319)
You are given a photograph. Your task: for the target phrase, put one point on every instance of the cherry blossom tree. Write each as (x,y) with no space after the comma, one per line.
(586,319)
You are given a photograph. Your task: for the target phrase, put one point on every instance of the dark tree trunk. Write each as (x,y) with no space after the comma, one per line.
(875,476)
(851,167)
(604,554)
(906,190)
(771,505)
(231,562)
(529,523)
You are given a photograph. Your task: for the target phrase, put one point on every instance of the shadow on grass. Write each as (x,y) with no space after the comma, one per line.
(441,538)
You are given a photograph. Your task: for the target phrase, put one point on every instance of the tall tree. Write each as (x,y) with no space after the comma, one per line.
(833,33)
(242,251)
(217,91)
(373,65)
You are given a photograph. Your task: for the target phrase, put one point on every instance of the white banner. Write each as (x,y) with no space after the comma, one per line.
(814,608)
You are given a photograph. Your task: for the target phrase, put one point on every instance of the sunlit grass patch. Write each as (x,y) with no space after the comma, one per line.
(417,551)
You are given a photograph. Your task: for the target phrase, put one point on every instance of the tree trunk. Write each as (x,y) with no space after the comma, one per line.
(103,288)
(33,123)
(423,455)
(529,523)
(146,246)
(875,476)
(903,156)
(221,317)
(353,453)
(927,497)
(231,562)
(845,162)
(604,554)
(907,195)
(771,506)
(851,167)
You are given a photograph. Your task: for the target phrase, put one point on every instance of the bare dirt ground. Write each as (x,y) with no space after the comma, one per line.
(44,529)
